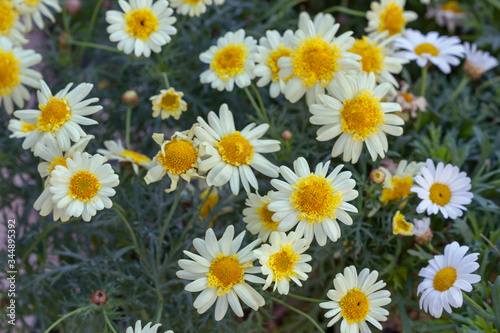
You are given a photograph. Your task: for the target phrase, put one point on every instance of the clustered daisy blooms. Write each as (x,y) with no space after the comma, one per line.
(258,217)
(388,17)
(168,103)
(115,151)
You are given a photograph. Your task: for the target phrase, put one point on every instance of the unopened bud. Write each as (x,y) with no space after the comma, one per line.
(474,72)
(286,134)
(425,238)
(99,297)
(63,42)
(73,6)
(377,176)
(130,97)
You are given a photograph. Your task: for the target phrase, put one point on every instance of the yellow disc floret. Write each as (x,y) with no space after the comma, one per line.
(440,194)
(230,61)
(136,157)
(235,149)
(282,263)
(445,278)
(400,189)
(170,101)
(452,6)
(54,114)
(266,216)
(26,128)
(392,19)
(371,54)
(141,23)
(426,48)
(362,116)
(55,162)
(400,225)
(9,16)
(224,273)
(315,198)
(9,72)
(272,61)
(83,186)
(355,306)
(178,156)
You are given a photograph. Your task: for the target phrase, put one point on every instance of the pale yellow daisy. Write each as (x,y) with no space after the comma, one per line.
(115,151)
(190,7)
(168,103)
(258,217)
(10,24)
(388,17)
(397,187)
(34,10)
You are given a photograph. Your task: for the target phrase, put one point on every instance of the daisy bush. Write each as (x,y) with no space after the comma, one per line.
(249,166)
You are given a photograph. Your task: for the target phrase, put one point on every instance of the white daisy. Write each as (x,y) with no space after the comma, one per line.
(271,48)
(388,17)
(420,227)
(448,14)
(284,260)
(16,74)
(444,279)
(19,128)
(142,27)
(442,51)
(397,187)
(317,56)
(60,116)
(477,62)
(146,329)
(190,7)
(442,189)
(168,102)
(221,273)
(409,102)
(400,226)
(231,61)
(32,11)
(313,201)
(84,185)
(258,217)
(45,205)
(10,24)
(115,151)
(354,112)
(232,153)
(358,299)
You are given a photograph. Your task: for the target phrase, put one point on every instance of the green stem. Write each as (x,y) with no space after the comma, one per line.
(165,77)
(65,317)
(478,308)
(299,312)
(259,100)
(169,218)
(94,46)
(159,306)
(127,126)
(423,85)
(107,321)
(93,19)
(307,299)
(345,10)
(252,100)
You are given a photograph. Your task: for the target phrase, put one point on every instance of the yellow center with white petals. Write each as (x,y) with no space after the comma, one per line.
(400,189)
(136,157)
(272,61)
(170,101)
(354,306)
(444,279)
(452,6)
(54,114)
(178,156)
(362,115)
(9,16)
(426,48)
(400,225)
(392,19)
(230,61)
(407,97)
(9,72)
(55,162)
(224,273)
(266,216)
(26,128)
(440,194)
(83,186)
(371,54)
(235,149)
(210,202)
(282,263)
(315,198)
(141,23)
(314,60)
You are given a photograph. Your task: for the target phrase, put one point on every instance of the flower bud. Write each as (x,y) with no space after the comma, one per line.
(130,98)
(377,176)
(99,297)
(73,6)
(425,238)
(286,135)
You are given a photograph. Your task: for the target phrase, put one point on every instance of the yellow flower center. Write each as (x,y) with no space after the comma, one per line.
(192,2)
(83,186)
(407,97)
(137,158)
(224,273)
(141,23)
(400,189)
(26,128)
(54,114)
(9,72)
(315,198)
(400,225)
(272,61)
(445,279)
(355,306)
(32,3)
(178,156)
(229,61)
(452,6)
(282,263)
(9,16)
(426,48)
(235,149)
(391,19)
(362,115)
(210,202)
(440,194)
(315,60)
(266,217)
(55,162)
(170,101)
(372,55)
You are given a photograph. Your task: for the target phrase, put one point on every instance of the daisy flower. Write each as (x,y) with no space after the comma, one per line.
(32,11)
(271,48)
(232,153)
(221,272)
(422,230)
(317,56)
(283,260)
(444,279)
(400,226)
(10,25)
(45,205)
(231,61)
(178,158)
(168,102)
(15,66)
(59,117)
(388,17)
(146,329)
(448,14)
(409,102)
(358,300)
(142,27)
(477,62)
(258,217)
(115,151)
(397,187)
(19,128)
(190,7)
(313,201)
(442,51)
(354,112)
(84,185)
(442,189)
